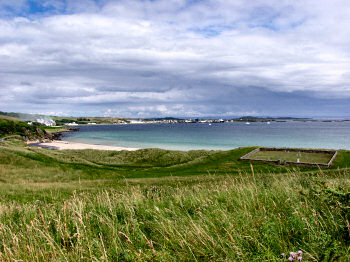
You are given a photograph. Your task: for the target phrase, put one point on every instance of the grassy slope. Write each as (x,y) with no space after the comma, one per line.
(167,206)
(9,118)
(11,126)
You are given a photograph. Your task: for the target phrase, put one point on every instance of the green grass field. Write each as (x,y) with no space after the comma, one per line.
(160,205)
(305,157)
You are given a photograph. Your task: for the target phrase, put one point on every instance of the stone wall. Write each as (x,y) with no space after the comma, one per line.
(334,153)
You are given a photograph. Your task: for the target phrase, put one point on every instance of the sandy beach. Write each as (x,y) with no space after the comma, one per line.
(64,145)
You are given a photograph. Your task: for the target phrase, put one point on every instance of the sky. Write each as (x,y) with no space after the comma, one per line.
(143,58)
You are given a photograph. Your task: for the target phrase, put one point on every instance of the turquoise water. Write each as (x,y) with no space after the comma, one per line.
(333,135)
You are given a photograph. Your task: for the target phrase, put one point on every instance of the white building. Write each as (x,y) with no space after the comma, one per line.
(133,121)
(46,122)
(71,124)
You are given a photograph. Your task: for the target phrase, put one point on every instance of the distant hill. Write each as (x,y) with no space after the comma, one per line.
(258,119)
(22,116)
(9,117)
(163,118)
(15,115)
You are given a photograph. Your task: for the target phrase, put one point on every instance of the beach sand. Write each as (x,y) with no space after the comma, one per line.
(63,145)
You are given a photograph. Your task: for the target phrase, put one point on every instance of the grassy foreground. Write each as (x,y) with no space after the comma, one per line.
(158,205)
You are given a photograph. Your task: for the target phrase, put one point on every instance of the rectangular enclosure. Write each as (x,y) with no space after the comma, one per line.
(293,156)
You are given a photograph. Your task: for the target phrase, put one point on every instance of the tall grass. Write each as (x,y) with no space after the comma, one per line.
(171,206)
(249,217)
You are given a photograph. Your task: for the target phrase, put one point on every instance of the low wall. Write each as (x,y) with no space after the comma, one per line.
(279,162)
(297,150)
(250,153)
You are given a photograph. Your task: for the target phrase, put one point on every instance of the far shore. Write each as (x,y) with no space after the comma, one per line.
(64,145)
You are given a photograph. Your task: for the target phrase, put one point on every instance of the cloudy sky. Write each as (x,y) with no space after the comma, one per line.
(142,58)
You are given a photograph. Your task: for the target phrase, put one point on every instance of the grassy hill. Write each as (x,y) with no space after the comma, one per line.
(11,126)
(9,118)
(161,205)
(10,115)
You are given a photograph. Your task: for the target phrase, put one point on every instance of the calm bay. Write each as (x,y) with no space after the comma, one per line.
(217,136)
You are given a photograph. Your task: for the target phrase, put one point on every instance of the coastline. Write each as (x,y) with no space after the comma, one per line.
(65,145)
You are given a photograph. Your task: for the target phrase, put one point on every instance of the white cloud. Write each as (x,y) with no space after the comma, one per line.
(172,52)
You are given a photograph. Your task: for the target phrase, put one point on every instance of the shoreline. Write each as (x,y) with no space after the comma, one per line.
(66,145)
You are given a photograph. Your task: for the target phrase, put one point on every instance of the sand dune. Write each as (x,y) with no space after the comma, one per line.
(63,145)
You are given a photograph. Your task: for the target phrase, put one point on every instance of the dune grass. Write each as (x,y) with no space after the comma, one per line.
(159,205)
(242,218)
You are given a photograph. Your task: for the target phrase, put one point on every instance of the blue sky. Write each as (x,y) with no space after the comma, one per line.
(175,58)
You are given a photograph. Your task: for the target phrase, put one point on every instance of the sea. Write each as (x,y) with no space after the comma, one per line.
(217,136)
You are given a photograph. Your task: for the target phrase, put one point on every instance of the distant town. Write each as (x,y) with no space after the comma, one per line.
(51,122)
(168,120)
(54,121)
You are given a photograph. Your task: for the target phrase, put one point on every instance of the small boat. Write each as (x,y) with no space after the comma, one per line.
(247,123)
(209,124)
(268,123)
